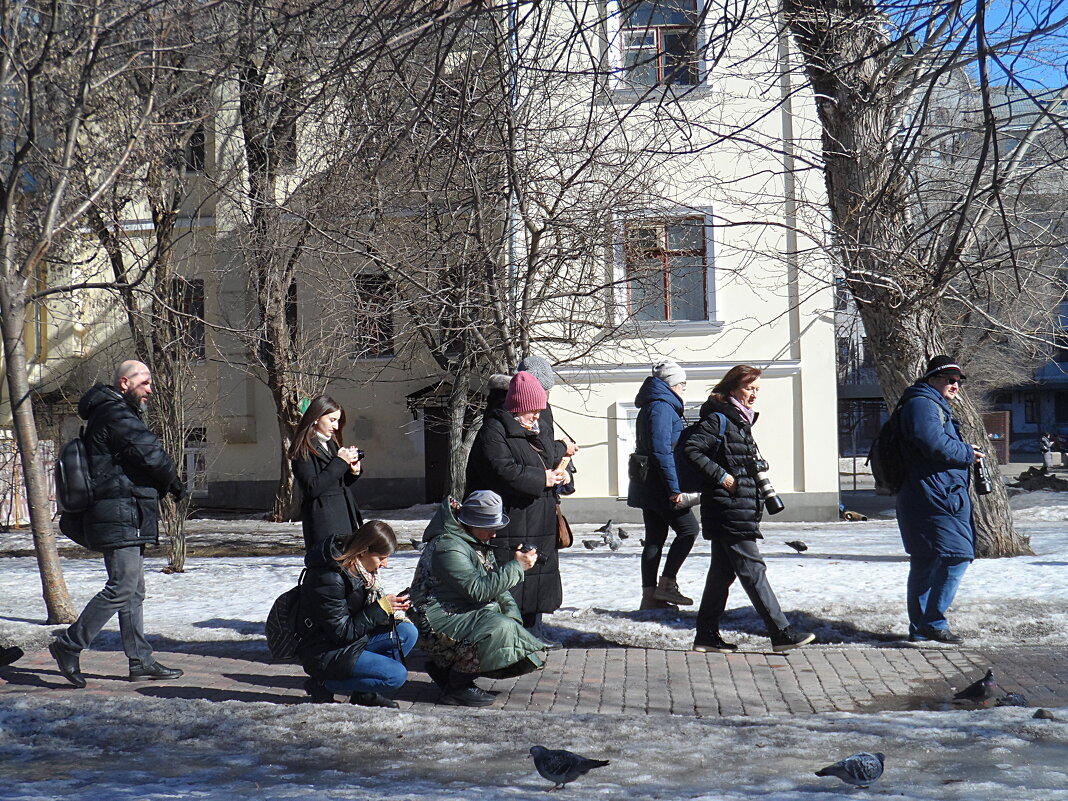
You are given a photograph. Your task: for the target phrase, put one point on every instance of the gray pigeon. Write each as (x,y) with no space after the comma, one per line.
(417,545)
(591,544)
(613,542)
(561,767)
(979,690)
(798,546)
(605,528)
(860,769)
(622,534)
(1012,699)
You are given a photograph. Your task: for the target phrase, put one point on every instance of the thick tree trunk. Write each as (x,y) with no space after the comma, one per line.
(847,59)
(54,586)
(903,343)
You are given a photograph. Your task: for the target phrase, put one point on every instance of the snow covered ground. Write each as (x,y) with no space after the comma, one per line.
(848,588)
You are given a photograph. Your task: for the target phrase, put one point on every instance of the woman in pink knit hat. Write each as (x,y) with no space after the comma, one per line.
(509,458)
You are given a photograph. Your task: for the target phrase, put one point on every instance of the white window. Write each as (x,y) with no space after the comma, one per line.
(667,264)
(659,39)
(195,456)
(666,42)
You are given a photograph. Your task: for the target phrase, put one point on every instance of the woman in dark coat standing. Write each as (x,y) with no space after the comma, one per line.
(655,489)
(723,448)
(325,470)
(509,458)
(351,641)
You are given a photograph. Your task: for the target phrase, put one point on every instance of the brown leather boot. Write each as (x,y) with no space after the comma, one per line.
(649,602)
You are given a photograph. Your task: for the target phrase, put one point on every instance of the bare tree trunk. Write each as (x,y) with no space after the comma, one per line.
(859,93)
(54,586)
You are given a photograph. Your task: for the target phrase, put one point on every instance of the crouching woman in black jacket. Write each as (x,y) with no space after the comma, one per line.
(351,640)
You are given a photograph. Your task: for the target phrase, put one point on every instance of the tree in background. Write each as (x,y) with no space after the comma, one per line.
(932,215)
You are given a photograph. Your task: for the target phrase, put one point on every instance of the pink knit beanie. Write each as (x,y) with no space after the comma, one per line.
(525,394)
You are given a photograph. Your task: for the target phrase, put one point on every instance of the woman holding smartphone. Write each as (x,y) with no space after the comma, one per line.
(325,470)
(351,640)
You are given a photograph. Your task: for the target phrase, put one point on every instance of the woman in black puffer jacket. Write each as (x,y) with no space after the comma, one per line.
(723,449)
(350,639)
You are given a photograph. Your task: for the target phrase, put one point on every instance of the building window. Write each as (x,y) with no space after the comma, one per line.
(1030,404)
(195,456)
(659,40)
(1060,408)
(196,150)
(667,270)
(187,300)
(372,316)
(36,325)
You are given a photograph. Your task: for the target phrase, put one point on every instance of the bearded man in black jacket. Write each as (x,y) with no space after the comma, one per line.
(130,471)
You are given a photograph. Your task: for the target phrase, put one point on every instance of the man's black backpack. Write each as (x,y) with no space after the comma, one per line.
(74,483)
(886,457)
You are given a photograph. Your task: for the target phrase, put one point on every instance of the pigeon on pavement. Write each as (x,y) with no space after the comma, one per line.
(798,546)
(8,656)
(561,767)
(591,544)
(979,690)
(1012,699)
(860,769)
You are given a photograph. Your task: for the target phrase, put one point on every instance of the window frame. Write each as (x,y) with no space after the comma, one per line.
(385,290)
(624,295)
(614,32)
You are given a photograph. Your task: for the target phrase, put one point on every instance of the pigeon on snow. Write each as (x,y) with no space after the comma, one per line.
(591,544)
(561,767)
(417,545)
(798,546)
(860,769)
(1012,699)
(605,528)
(622,534)
(979,690)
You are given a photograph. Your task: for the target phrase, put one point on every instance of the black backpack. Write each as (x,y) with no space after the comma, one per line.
(283,625)
(886,457)
(74,482)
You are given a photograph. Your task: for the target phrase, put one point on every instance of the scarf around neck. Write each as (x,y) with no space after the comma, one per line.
(747,413)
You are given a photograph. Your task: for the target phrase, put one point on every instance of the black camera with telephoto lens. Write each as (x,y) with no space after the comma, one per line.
(772,502)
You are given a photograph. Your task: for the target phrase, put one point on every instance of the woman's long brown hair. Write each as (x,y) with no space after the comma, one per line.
(737,376)
(305,433)
(374,536)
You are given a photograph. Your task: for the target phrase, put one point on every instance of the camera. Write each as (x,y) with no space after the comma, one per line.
(539,559)
(360,454)
(772,502)
(983,485)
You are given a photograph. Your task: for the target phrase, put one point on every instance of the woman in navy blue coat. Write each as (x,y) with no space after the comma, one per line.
(934,511)
(655,489)
(325,470)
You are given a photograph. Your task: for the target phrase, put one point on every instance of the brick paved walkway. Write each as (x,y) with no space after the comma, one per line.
(625,680)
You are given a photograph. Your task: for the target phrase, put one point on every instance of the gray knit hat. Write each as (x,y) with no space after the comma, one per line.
(670,372)
(540,369)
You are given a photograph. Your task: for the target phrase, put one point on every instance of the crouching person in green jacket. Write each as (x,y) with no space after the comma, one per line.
(469,624)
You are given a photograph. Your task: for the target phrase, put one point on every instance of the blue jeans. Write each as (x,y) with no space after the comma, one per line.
(378,668)
(933,583)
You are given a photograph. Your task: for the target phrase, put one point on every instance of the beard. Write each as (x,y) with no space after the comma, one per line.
(140,404)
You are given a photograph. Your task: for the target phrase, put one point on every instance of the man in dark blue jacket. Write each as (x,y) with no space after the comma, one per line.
(934,511)
(130,472)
